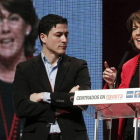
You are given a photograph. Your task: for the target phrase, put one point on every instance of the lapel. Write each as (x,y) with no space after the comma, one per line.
(40,70)
(62,70)
(130,69)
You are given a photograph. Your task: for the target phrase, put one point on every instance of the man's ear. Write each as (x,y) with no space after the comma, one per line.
(43,37)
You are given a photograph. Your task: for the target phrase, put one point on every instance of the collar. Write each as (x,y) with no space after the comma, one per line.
(46,60)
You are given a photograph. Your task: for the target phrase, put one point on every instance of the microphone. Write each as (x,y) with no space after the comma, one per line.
(120,67)
(123,60)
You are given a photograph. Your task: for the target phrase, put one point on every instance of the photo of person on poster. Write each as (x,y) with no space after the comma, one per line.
(18,34)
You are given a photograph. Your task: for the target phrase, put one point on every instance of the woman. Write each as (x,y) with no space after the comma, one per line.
(18,33)
(130,73)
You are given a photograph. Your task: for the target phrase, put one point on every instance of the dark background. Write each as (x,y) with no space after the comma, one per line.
(115,34)
(115,39)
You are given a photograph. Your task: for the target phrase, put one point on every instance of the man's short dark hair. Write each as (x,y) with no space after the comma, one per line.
(48,22)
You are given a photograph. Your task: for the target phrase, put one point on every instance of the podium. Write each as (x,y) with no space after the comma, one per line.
(111,104)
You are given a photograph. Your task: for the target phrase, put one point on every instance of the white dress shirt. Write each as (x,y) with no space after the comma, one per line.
(51,72)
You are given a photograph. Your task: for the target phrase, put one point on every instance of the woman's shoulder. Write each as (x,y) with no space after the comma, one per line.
(132,61)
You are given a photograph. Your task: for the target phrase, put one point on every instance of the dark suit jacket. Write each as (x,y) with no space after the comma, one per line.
(31,77)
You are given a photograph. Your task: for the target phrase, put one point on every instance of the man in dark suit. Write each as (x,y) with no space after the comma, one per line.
(44,84)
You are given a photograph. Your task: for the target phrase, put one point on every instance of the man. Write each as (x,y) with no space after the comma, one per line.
(43,84)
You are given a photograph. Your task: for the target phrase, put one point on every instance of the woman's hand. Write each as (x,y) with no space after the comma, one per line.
(109,75)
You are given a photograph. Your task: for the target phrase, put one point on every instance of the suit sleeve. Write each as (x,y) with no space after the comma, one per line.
(82,78)
(22,104)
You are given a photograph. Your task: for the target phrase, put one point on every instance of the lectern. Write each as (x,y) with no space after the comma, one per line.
(111,104)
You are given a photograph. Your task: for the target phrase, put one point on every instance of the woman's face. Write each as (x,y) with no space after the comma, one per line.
(13,30)
(136,34)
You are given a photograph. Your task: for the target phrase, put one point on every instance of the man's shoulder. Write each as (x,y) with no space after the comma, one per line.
(28,62)
(74,59)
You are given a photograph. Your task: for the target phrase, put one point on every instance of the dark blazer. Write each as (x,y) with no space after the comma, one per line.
(31,77)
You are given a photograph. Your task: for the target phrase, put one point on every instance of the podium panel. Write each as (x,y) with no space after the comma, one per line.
(111,104)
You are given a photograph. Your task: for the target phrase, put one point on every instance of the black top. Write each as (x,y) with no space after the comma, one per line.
(129,121)
(7,103)
(6,96)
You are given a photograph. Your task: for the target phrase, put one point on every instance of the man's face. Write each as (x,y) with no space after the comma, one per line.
(13,30)
(56,41)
